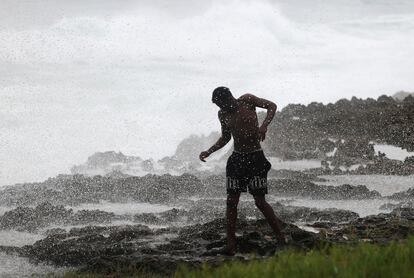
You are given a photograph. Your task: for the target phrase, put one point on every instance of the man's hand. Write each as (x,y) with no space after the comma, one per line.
(204,155)
(262,133)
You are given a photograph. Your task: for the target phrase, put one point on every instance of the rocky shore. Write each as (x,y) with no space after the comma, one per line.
(104,248)
(95,240)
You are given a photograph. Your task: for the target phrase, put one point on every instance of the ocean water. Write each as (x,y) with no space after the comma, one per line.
(384,184)
(15,266)
(297,165)
(123,208)
(4,209)
(393,152)
(362,207)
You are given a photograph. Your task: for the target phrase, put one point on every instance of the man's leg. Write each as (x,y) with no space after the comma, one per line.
(270,216)
(231,215)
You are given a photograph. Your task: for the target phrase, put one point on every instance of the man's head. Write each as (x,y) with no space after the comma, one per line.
(223,98)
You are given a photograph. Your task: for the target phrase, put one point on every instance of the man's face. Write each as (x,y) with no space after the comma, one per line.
(226,105)
(223,104)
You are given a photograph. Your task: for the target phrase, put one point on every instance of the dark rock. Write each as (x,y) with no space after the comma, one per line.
(309,128)
(91,246)
(12,250)
(31,219)
(166,217)
(78,189)
(291,188)
(404,213)
(148,218)
(55,231)
(404,195)
(381,228)
(45,214)
(105,249)
(80,245)
(92,216)
(332,215)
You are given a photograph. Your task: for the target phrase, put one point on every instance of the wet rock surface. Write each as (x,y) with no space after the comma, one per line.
(77,189)
(31,219)
(106,248)
(381,228)
(206,210)
(191,233)
(290,188)
(379,165)
(404,195)
(193,229)
(101,248)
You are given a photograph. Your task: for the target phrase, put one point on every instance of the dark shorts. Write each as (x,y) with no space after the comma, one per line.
(247,171)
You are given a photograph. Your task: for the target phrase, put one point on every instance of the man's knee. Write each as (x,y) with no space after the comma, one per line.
(233,200)
(260,202)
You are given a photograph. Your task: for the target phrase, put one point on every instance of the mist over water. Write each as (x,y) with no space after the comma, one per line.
(137,78)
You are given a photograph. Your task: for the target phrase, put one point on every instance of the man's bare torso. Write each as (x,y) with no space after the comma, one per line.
(243,125)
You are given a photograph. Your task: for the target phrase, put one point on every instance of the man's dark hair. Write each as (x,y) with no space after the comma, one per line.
(221,93)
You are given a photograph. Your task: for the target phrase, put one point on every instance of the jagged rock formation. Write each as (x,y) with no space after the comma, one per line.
(404,195)
(102,163)
(302,131)
(379,228)
(184,160)
(290,188)
(401,95)
(99,248)
(32,219)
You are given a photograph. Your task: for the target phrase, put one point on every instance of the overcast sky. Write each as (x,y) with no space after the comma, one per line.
(82,76)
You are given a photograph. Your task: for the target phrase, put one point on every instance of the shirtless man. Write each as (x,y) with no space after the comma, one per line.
(247,167)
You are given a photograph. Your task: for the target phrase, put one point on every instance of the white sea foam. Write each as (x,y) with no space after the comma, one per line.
(15,266)
(385,185)
(393,152)
(15,238)
(124,208)
(297,165)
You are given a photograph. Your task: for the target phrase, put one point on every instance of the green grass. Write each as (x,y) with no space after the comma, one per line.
(362,260)
(122,272)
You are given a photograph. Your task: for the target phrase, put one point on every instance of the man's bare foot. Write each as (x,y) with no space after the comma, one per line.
(281,239)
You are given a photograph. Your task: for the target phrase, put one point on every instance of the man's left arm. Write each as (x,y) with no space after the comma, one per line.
(271,108)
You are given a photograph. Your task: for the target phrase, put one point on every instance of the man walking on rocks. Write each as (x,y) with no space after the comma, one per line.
(247,167)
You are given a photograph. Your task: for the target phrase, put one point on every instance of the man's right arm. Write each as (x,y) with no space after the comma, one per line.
(221,142)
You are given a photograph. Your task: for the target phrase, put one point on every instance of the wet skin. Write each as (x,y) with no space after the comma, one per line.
(238,118)
(243,126)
